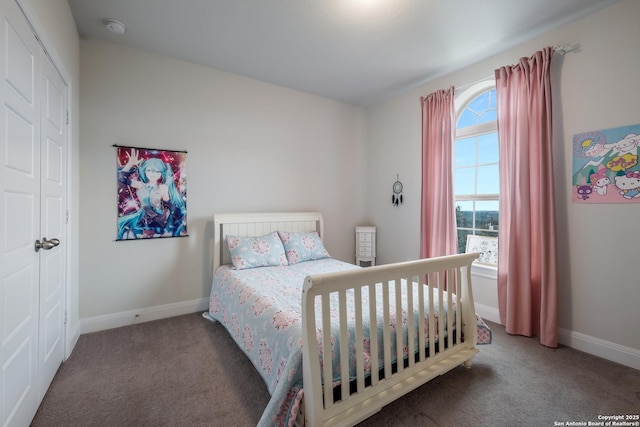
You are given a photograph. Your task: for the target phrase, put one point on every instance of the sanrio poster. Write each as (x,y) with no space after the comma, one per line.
(605,166)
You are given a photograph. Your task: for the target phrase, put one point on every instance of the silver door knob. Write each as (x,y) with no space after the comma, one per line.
(46,244)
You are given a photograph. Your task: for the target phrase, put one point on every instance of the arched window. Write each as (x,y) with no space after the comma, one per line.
(476,163)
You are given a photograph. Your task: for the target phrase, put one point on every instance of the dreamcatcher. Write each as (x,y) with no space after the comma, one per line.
(396,198)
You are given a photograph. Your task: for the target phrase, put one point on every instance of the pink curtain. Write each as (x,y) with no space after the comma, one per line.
(527,266)
(438,220)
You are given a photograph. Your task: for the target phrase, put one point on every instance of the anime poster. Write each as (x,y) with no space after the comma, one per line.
(605,166)
(152,193)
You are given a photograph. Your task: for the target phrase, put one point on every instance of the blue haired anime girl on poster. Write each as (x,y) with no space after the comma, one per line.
(152,193)
(605,166)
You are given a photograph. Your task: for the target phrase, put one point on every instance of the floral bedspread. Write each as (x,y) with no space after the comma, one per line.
(261,309)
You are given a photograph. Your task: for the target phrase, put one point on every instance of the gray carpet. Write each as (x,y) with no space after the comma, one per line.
(186,371)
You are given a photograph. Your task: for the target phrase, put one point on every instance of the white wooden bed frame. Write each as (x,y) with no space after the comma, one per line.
(320,409)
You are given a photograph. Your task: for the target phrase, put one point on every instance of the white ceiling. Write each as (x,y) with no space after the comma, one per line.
(355,51)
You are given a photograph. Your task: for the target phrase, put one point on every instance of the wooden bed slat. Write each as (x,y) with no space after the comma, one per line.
(399,326)
(373,338)
(327,364)
(410,319)
(432,315)
(442,274)
(421,320)
(359,339)
(386,329)
(344,349)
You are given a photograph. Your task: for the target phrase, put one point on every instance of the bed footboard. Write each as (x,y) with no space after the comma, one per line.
(434,300)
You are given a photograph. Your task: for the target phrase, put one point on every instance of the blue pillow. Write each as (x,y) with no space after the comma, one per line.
(250,252)
(301,247)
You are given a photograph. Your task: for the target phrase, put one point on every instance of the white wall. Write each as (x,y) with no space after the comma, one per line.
(257,147)
(595,88)
(251,146)
(56,28)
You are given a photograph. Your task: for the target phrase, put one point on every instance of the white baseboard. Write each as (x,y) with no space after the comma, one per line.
(488,313)
(607,350)
(116,320)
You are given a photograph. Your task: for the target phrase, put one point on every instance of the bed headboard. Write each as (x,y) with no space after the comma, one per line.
(259,224)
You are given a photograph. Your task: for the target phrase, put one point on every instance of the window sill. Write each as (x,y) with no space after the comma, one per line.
(487,271)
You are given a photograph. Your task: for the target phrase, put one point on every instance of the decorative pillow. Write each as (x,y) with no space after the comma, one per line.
(301,247)
(250,252)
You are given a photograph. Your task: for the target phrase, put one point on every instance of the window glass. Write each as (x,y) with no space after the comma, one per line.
(480,103)
(465,152)
(468,118)
(464,214)
(476,166)
(487,216)
(488,180)
(464,181)
(488,148)
(488,116)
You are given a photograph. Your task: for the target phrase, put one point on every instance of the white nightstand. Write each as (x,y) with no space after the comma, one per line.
(366,245)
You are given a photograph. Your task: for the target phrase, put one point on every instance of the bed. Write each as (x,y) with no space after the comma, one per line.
(288,299)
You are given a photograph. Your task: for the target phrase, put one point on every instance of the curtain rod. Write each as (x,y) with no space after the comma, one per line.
(150,149)
(566,48)
(559,49)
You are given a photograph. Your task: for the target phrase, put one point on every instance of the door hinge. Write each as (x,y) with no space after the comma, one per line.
(66,218)
(67,116)
(65,317)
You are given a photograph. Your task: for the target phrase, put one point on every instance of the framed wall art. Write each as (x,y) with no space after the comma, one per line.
(605,166)
(486,246)
(152,193)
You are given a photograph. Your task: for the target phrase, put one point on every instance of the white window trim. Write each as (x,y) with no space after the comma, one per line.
(483,270)
(472,91)
(475,130)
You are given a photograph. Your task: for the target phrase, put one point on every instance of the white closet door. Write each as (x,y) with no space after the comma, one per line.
(53,218)
(32,172)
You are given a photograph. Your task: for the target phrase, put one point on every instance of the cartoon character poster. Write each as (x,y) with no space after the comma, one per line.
(486,246)
(152,193)
(605,166)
